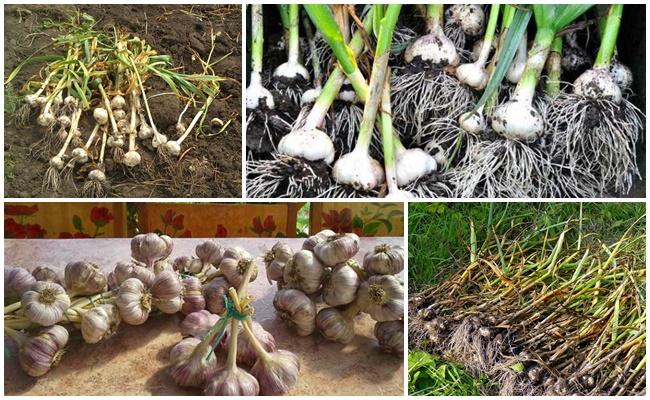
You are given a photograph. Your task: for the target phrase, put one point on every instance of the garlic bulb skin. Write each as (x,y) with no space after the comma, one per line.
(198,323)
(390,335)
(470,18)
(214,292)
(382,296)
(210,253)
(335,326)
(182,264)
(45,274)
(621,74)
(193,299)
(412,164)
(472,122)
(359,170)
(517,119)
(296,308)
(166,292)
(149,248)
(162,265)
(337,249)
(277,373)
(84,278)
(133,301)
(275,260)
(598,83)
(310,144)
(473,75)
(99,322)
(39,353)
(126,270)
(232,382)
(385,259)
(192,364)
(341,284)
(246,353)
(17,282)
(303,271)
(234,263)
(313,240)
(435,48)
(45,303)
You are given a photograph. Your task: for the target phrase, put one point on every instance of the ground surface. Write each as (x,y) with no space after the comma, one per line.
(212,167)
(135,360)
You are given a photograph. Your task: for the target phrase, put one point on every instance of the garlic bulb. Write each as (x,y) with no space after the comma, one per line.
(336,325)
(162,265)
(297,309)
(182,263)
(246,353)
(382,296)
(214,292)
(99,322)
(45,303)
(166,292)
(384,260)
(193,299)
(46,274)
(192,363)
(313,240)
(17,282)
(149,248)
(390,335)
(234,263)
(39,353)
(210,253)
(337,249)
(198,323)
(126,270)
(303,271)
(84,278)
(277,372)
(133,301)
(341,284)
(232,382)
(275,260)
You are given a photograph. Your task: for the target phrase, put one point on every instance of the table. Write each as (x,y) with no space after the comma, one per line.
(134,361)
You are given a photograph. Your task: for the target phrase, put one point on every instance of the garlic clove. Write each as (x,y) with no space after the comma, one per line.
(99,323)
(84,278)
(45,303)
(149,248)
(133,301)
(42,351)
(198,323)
(17,282)
(303,271)
(192,363)
(214,292)
(193,299)
(277,373)
(390,335)
(385,259)
(232,382)
(45,274)
(337,249)
(382,296)
(335,326)
(341,284)
(296,308)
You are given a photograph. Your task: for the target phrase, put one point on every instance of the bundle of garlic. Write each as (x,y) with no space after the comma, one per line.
(321,287)
(194,360)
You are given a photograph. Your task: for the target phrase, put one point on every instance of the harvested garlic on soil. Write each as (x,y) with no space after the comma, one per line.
(198,323)
(297,309)
(382,296)
(214,292)
(193,299)
(84,278)
(45,303)
(166,292)
(149,248)
(313,240)
(246,353)
(99,322)
(337,248)
(17,282)
(45,274)
(276,372)
(192,363)
(39,353)
(133,301)
(390,335)
(275,260)
(384,260)
(126,270)
(336,325)
(234,263)
(341,284)
(304,272)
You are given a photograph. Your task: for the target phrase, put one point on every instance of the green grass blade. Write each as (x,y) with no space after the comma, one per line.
(31,60)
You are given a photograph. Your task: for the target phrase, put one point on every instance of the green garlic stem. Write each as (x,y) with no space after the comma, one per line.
(434,18)
(107,105)
(609,36)
(537,55)
(294,33)
(315,62)
(554,68)
(231,362)
(387,136)
(257,31)
(489,34)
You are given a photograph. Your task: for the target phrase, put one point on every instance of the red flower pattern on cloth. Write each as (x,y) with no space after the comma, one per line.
(265,228)
(100,216)
(20,209)
(338,221)
(222,232)
(15,230)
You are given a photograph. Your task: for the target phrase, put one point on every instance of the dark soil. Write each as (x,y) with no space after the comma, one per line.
(211,167)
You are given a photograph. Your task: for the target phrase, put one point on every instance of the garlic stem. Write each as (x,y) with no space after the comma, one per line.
(12,307)
(315,62)
(71,133)
(196,119)
(132,132)
(157,134)
(231,363)
(109,110)
(351,310)
(206,278)
(90,140)
(259,349)
(103,148)
(15,335)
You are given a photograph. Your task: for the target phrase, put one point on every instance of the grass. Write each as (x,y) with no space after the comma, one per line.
(439,233)
(302,222)
(9,167)
(431,376)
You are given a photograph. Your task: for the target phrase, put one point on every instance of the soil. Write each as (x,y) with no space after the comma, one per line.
(212,165)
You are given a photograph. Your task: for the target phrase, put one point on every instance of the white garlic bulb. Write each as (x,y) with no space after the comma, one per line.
(17,282)
(304,272)
(192,363)
(42,351)
(336,325)
(99,322)
(210,253)
(390,335)
(193,299)
(45,303)
(166,292)
(382,296)
(277,372)
(149,248)
(214,292)
(198,323)
(341,284)
(162,265)
(126,270)
(313,240)
(45,274)
(297,309)
(133,301)
(84,278)
(337,249)
(234,263)
(232,382)
(275,260)
(385,259)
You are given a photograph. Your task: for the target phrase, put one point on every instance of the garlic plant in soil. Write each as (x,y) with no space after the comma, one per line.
(290,75)
(345,291)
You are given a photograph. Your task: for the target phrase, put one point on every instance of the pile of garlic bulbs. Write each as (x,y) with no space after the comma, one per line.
(322,288)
